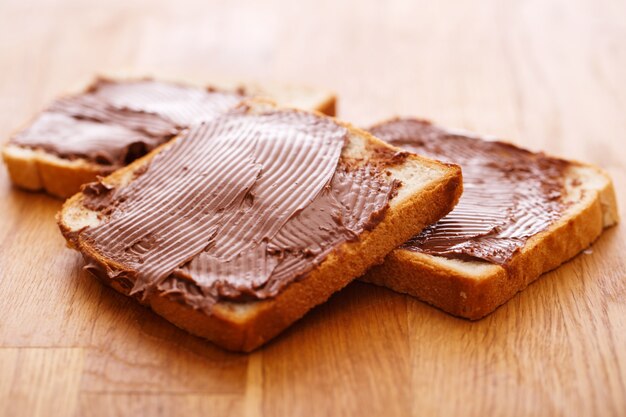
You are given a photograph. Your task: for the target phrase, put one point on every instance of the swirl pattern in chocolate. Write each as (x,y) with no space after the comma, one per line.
(239,207)
(115,122)
(180,104)
(509,194)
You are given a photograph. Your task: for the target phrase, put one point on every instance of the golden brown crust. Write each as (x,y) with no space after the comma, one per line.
(474,296)
(245,326)
(40,171)
(23,171)
(328,106)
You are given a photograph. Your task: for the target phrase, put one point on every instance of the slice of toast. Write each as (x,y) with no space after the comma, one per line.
(121,223)
(37,168)
(464,277)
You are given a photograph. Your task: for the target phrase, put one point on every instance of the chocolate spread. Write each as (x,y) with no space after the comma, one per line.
(237,208)
(510,194)
(115,122)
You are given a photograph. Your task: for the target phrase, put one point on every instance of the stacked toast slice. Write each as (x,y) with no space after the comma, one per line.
(522,214)
(114,121)
(238,226)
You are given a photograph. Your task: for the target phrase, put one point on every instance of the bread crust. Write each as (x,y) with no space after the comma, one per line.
(328,106)
(436,281)
(246,326)
(38,170)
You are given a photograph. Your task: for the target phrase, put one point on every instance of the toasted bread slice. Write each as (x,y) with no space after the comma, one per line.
(286,93)
(429,189)
(473,288)
(36,169)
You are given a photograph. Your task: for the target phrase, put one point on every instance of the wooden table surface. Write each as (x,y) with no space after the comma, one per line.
(545,74)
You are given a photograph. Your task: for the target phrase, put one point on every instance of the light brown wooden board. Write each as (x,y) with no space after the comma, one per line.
(548,74)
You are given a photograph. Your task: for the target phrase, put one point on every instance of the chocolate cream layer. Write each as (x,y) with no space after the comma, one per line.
(237,208)
(115,122)
(509,194)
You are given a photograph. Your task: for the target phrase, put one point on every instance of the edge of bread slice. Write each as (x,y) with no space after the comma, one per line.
(429,190)
(38,170)
(473,289)
(284,92)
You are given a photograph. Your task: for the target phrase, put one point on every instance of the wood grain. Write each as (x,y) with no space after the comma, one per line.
(158,405)
(42,381)
(547,74)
